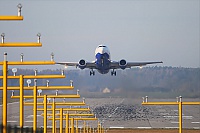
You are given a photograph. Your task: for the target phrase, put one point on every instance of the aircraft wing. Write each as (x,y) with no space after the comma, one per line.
(68,63)
(115,65)
(90,65)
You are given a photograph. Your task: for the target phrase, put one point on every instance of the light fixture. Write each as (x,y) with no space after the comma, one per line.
(28,82)
(71,83)
(19,9)
(47,83)
(52,56)
(5,56)
(36,71)
(39,92)
(22,57)
(38,35)
(14,70)
(2,37)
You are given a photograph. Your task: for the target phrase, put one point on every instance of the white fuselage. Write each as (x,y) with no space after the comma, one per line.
(102,59)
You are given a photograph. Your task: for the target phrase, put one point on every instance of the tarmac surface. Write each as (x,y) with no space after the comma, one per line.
(120,113)
(129,113)
(152,131)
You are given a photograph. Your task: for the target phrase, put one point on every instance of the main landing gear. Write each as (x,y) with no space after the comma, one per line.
(92,72)
(113,72)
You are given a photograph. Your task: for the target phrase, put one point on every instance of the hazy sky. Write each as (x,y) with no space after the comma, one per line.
(135,30)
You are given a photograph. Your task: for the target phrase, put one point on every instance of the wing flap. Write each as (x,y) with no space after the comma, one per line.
(90,65)
(130,64)
(68,63)
(115,65)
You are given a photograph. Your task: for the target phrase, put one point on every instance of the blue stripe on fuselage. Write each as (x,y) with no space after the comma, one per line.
(102,63)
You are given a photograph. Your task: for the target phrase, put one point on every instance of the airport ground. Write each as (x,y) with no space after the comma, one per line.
(145,131)
(123,115)
(151,131)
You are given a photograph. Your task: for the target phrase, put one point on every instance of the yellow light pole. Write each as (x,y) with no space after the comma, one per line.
(18,17)
(98,127)
(76,126)
(49,96)
(17,63)
(67,123)
(5,67)
(87,128)
(61,120)
(34,77)
(21,101)
(19,44)
(53,120)
(35,109)
(21,77)
(67,119)
(41,87)
(72,122)
(21,88)
(71,119)
(72,125)
(5,64)
(71,114)
(45,113)
(35,97)
(7,18)
(90,129)
(57,104)
(66,109)
(54,107)
(84,125)
(178,102)
(180,116)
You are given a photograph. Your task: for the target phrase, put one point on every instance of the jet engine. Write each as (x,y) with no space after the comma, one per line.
(82,64)
(122,64)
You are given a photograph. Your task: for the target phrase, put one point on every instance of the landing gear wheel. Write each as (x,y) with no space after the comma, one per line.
(113,73)
(92,73)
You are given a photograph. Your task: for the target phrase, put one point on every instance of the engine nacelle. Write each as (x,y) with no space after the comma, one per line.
(122,64)
(82,64)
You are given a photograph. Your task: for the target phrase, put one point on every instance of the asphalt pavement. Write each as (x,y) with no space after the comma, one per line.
(119,113)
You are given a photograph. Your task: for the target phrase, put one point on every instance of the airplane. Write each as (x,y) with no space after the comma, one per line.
(103,63)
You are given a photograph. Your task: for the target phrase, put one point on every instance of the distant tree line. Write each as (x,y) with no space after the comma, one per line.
(148,80)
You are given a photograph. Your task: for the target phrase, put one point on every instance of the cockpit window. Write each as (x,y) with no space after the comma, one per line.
(102,46)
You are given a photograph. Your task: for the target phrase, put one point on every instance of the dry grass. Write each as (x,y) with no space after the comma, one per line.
(143,131)
(152,131)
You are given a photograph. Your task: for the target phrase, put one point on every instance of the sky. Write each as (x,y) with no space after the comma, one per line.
(135,30)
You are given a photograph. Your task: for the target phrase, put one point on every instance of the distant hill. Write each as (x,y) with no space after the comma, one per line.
(153,81)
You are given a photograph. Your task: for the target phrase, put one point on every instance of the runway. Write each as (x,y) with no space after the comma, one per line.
(131,114)
(121,113)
